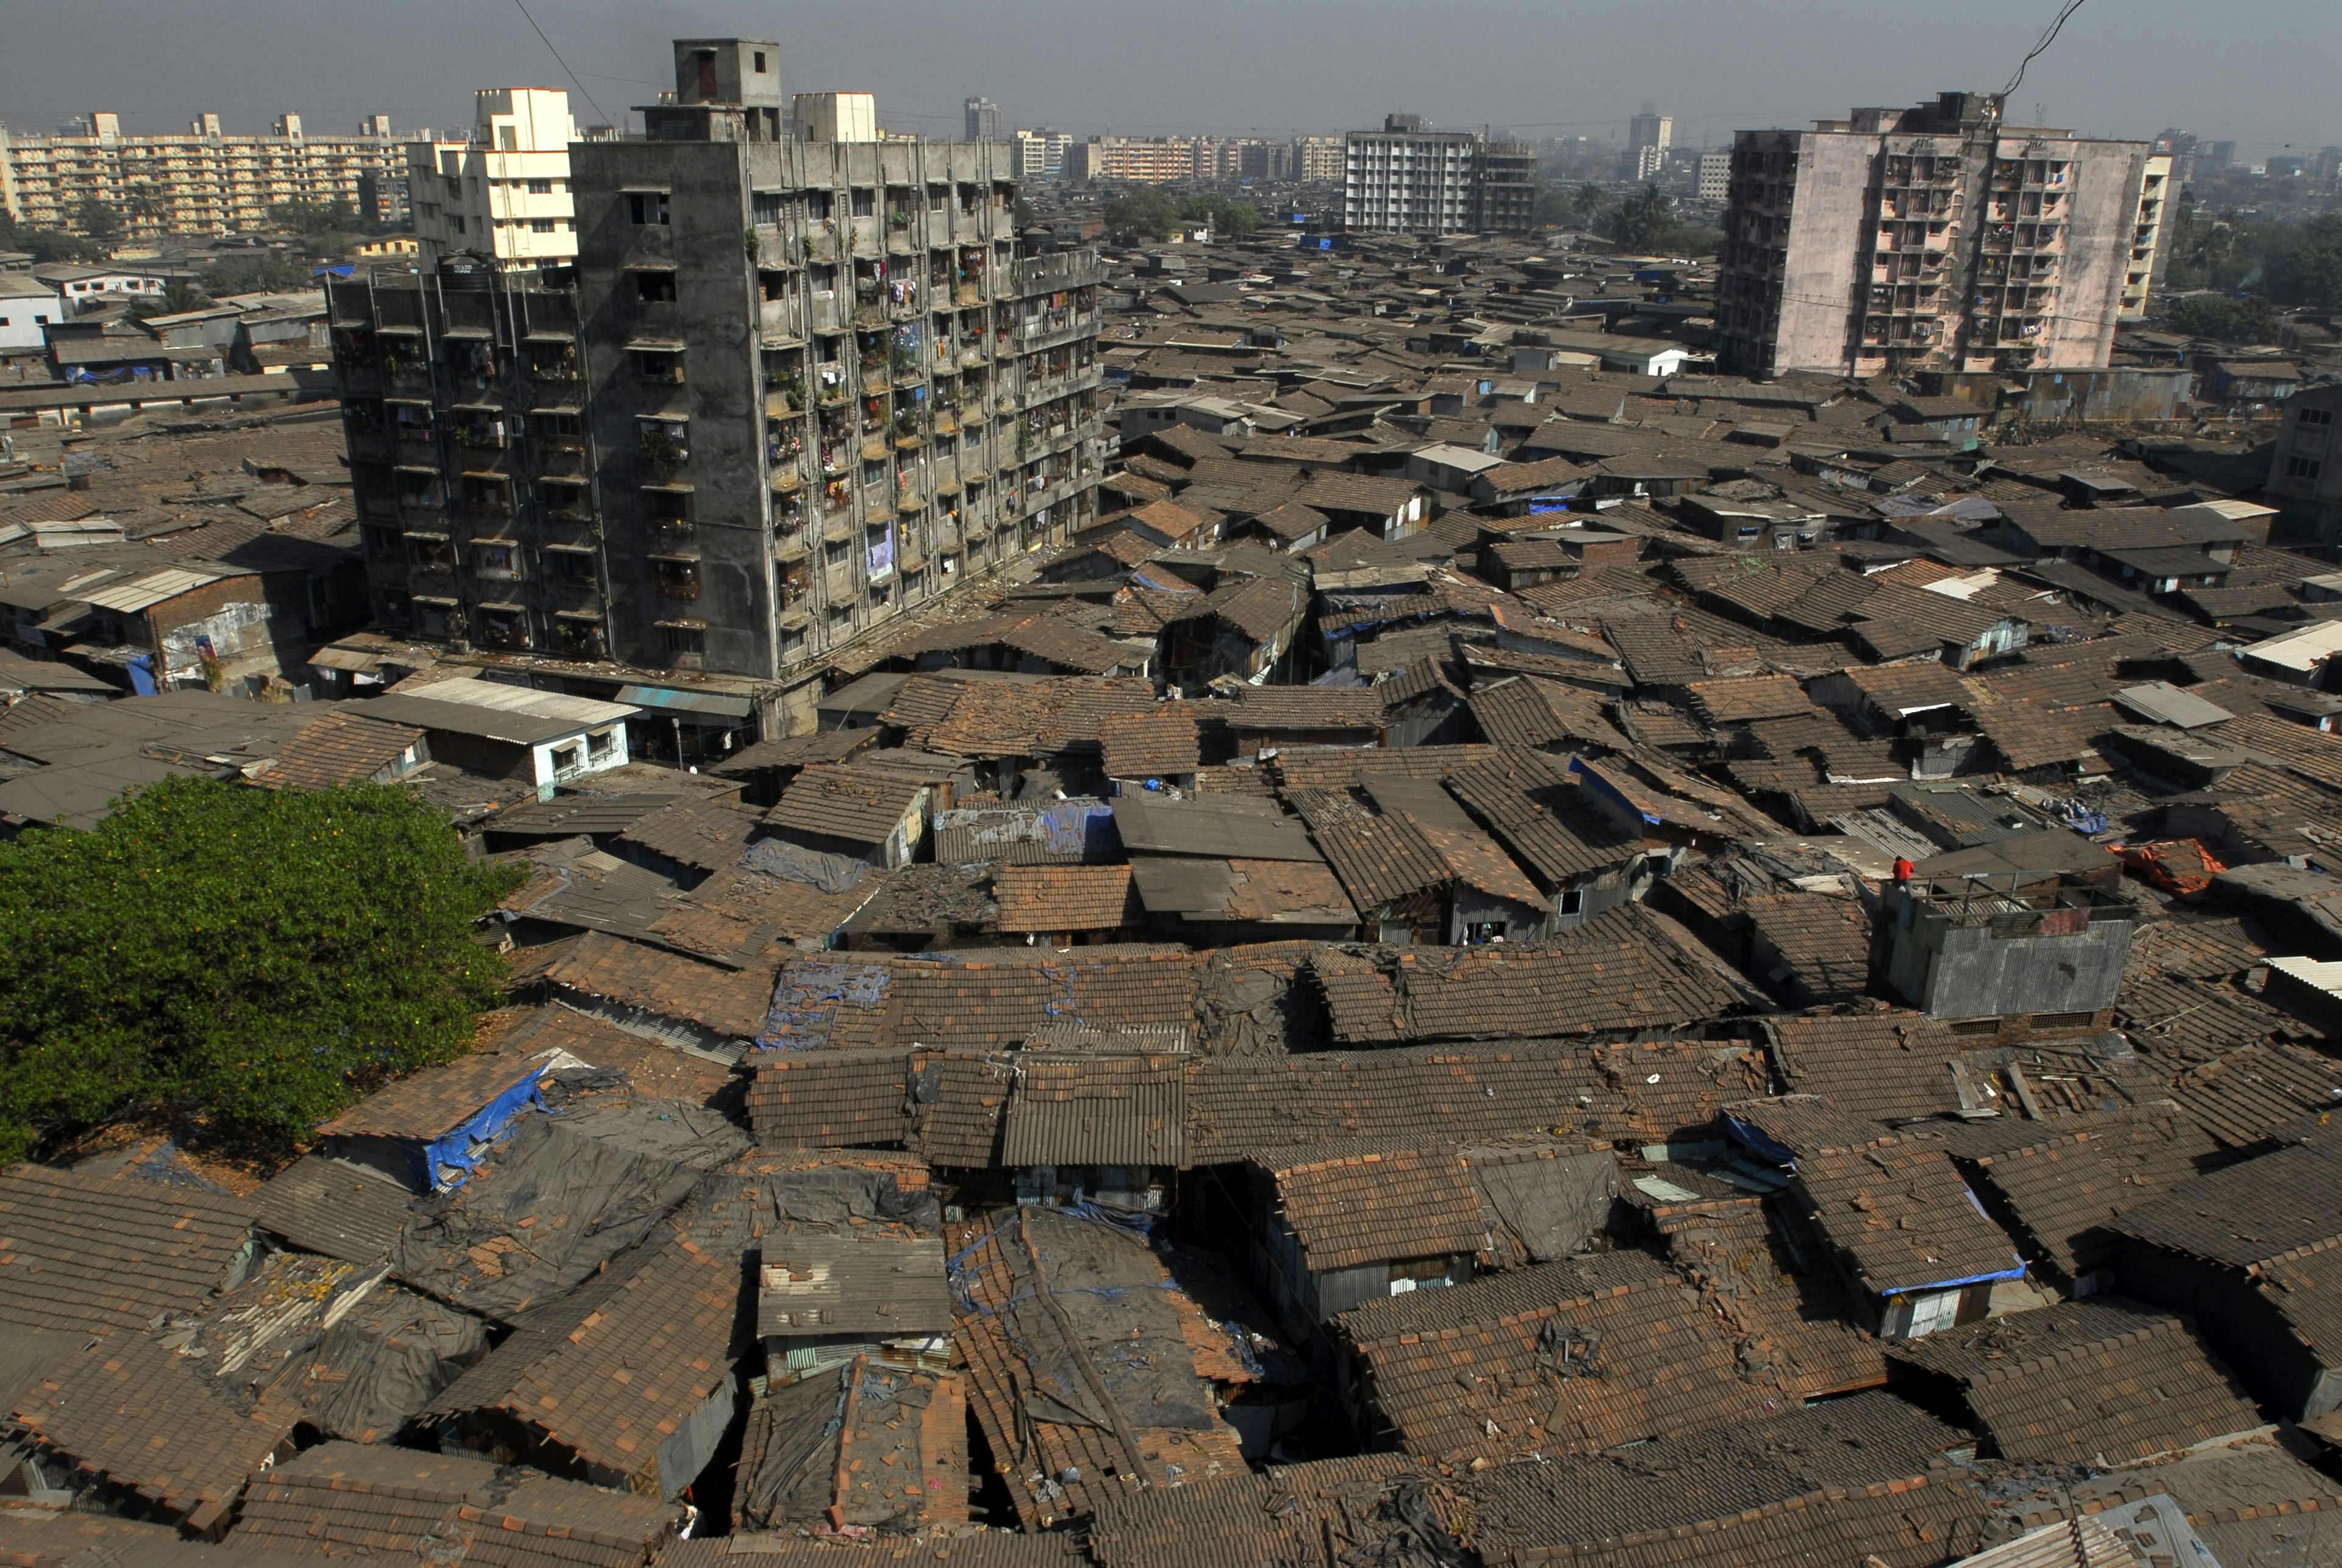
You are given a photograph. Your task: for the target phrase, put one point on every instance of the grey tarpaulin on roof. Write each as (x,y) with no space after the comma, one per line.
(789,1453)
(386,1359)
(793,863)
(1109,1285)
(1552,1206)
(606,1197)
(836,1195)
(1246,1007)
(682,1131)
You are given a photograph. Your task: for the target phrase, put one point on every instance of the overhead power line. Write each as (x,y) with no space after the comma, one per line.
(2049,36)
(598,110)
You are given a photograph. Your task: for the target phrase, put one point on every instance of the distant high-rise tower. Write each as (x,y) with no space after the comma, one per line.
(1649,134)
(984,122)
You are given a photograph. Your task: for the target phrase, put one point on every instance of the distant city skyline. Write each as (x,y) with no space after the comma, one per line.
(2257,76)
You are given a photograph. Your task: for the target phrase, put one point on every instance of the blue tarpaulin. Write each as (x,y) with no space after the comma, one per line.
(807,997)
(447,1160)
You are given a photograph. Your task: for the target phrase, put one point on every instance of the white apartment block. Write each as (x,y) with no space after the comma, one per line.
(1040,154)
(505,191)
(206,181)
(1714,176)
(1320,158)
(1405,179)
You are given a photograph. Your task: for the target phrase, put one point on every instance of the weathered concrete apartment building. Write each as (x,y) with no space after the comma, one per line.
(797,386)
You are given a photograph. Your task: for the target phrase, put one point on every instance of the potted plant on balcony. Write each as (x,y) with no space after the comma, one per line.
(659,449)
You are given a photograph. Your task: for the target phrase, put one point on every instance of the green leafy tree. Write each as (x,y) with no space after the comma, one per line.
(46,246)
(1648,222)
(256,274)
(174,298)
(1145,212)
(238,962)
(2216,252)
(315,219)
(1227,214)
(2302,265)
(2222,316)
(97,219)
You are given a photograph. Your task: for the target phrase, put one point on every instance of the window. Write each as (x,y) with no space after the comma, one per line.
(2303,468)
(685,642)
(866,203)
(458,224)
(655,287)
(2316,416)
(767,206)
(540,226)
(565,759)
(760,59)
(540,187)
(1573,902)
(1936,1309)
(571,565)
(648,207)
(601,745)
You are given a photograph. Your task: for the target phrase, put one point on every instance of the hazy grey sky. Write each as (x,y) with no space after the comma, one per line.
(2259,71)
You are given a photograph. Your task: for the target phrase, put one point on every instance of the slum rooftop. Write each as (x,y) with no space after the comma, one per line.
(1649,970)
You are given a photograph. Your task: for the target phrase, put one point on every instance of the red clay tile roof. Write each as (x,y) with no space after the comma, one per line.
(704,834)
(732,1003)
(1061,897)
(143,1417)
(1600,978)
(1376,1207)
(2068,1183)
(425,1104)
(2108,1377)
(1878,1065)
(353,1500)
(1902,1218)
(1030,718)
(85,1255)
(830,1099)
(856,806)
(985,999)
(1162,739)
(1550,1360)
(342,747)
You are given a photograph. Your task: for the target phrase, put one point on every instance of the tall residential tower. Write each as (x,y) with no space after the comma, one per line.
(1933,238)
(796,387)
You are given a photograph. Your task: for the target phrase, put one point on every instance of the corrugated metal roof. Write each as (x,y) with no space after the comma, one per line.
(141,592)
(481,694)
(687,702)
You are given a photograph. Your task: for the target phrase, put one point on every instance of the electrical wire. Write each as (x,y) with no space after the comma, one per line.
(598,110)
(2049,36)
